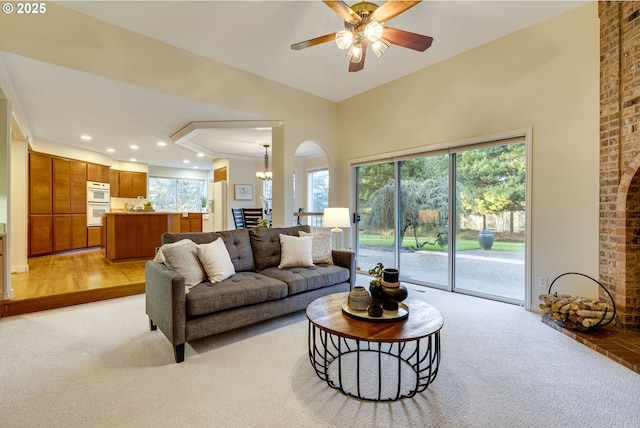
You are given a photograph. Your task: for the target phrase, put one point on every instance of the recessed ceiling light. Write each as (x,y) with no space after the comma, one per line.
(186,161)
(195,167)
(162,143)
(200,155)
(110,150)
(133,160)
(85,137)
(133,147)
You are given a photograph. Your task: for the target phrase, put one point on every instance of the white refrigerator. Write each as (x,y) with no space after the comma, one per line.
(218,205)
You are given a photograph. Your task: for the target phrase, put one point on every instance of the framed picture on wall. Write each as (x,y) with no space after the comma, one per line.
(243,192)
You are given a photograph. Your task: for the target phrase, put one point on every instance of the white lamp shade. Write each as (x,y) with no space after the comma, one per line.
(336,217)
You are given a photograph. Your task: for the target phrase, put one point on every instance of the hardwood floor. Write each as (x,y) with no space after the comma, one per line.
(70,279)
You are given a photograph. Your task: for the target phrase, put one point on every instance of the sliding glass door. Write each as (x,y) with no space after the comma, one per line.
(376,231)
(423,213)
(490,221)
(453,220)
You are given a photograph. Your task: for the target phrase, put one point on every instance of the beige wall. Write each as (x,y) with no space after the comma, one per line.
(544,77)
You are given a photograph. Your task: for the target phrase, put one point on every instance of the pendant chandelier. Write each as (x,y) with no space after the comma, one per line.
(266,174)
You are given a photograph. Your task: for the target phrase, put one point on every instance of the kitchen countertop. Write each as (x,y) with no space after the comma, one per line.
(152,212)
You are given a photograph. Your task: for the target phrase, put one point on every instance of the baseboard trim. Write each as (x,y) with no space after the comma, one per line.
(20,269)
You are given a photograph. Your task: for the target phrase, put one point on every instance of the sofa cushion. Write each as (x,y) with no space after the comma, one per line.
(239,247)
(182,257)
(215,260)
(241,289)
(265,243)
(295,251)
(321,249)
(300,279)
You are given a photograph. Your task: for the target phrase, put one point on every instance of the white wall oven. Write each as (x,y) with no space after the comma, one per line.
(97,202)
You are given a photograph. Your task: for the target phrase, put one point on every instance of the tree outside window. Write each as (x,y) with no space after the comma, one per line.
(177,194)
(318,186)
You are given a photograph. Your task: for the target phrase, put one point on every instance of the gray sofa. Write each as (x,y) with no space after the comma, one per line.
(258,291)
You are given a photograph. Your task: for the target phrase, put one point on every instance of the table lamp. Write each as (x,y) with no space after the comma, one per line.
(336,218)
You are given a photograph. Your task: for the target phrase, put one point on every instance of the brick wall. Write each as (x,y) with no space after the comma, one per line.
(620,157)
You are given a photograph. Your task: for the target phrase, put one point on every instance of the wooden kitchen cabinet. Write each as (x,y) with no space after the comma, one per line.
(69,186)
(98,173)
(69,232)
(40,234)
(129,184)
(192,223)
(114,181)
(78,231)
(94,236)
(40,183)
(61,186)
(78,187)
(61,232)
(139,184)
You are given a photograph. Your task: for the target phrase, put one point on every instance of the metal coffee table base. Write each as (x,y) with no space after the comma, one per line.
(374,371)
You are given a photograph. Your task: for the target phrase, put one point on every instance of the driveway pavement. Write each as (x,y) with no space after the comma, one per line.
(497,273)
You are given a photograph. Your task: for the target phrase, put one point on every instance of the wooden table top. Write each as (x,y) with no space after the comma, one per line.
(326,313)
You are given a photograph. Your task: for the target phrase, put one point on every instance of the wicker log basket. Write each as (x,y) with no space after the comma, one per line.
(578,313)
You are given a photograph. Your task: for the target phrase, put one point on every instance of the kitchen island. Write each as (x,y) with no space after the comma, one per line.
(136,235)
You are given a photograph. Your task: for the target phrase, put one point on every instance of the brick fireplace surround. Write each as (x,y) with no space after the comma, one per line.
(619,227)
(620,157)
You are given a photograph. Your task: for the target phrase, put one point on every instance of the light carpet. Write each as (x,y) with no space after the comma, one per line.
(98,365)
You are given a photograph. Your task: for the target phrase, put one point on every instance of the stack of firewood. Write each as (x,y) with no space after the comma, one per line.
(576,313)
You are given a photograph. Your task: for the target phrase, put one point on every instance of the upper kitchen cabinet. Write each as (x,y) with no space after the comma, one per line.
(128,184)
(114,181)
(40,183)
(99,173)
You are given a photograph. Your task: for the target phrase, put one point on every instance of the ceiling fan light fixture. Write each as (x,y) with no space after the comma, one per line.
(344,39)
(373,31)
(355,53)
(379,47)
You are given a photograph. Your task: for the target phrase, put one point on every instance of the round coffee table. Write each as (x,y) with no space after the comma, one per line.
(376,361)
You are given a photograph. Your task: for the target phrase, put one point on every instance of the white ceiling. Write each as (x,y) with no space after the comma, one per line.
(60,104)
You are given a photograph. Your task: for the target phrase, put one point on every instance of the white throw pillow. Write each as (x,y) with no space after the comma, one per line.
(182,256)
(295,251)
(216,260)
(321,248)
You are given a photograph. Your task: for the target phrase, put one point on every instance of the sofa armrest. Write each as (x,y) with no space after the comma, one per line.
(165,301)
(346,259)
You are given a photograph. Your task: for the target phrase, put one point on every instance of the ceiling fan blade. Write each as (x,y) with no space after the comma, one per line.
(391,9)
(357,66)
(406,39)
(313,42)
(342,9)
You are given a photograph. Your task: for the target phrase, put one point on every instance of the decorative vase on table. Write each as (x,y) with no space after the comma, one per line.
(485,239)
(393,292)
(359,299)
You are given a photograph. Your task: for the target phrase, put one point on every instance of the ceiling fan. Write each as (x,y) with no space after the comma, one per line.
(363,24)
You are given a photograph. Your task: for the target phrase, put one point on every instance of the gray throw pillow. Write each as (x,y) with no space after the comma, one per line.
(183,258)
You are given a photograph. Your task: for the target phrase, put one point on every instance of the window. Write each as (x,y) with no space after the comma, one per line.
(177,194)
(318,188)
